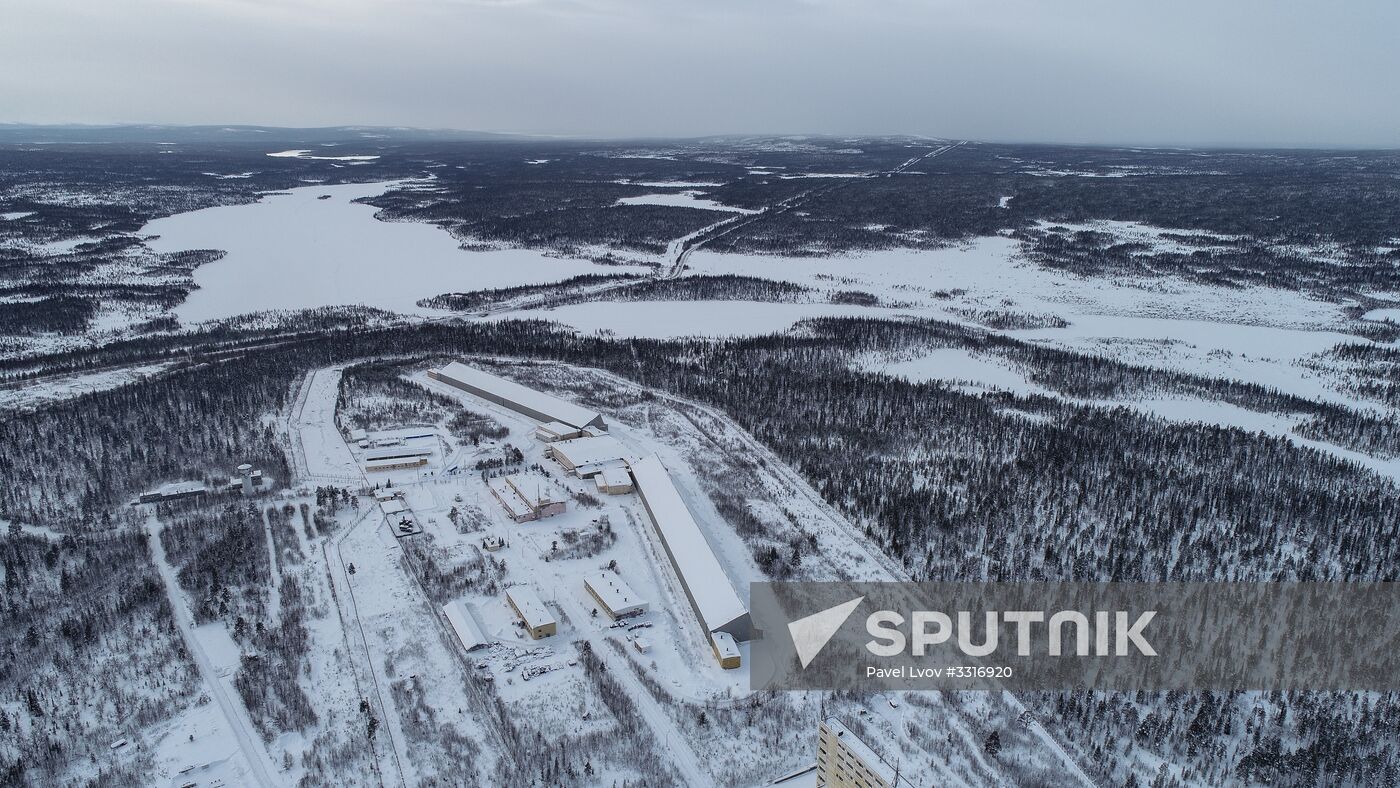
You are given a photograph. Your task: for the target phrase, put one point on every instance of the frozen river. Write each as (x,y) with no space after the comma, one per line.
(293,250)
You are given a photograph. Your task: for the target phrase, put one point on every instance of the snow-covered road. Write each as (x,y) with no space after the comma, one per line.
(235,716)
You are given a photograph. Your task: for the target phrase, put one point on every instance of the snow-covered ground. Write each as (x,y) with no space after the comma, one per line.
(671,184)
(685,199)
(1254,334)
(993,275)
(307,154)
(293,250)
(670,319)
(31,395)
(970,371)
(975,372)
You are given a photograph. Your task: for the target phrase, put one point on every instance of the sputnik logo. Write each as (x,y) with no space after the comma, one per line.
(811,634)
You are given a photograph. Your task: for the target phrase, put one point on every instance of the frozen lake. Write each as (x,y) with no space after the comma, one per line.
(293,250)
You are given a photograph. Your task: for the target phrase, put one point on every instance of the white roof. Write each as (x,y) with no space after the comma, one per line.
(534,489)
(614,591)
(464,624)
(531,607)
(699,568)
(869,757)
(557,427)
(589,451)
(514,502)
(385,494)
(358,435)
(725,644)
(615,476)
(554,408)
(393,506)
(181,488)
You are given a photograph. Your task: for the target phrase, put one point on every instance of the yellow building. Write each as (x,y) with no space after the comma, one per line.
(726,650)
(613,595)
(526,603)
(395,463)
(844,761)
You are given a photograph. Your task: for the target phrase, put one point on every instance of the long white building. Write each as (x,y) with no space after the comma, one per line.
(397,452)
(711,595)
(521,399)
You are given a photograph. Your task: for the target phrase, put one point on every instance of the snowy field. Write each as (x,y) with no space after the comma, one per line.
(32,395)
(1260,335)
(685,199)
(994,276)
(293,250)
(672,319)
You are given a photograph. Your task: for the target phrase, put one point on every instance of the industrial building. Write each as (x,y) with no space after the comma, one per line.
(707,587)
(614,596)
(587,456)
(614,480)
(844,761)
(395,464)
(526,603)
(398,452)
(521,399)
(524,499)
(173,492)
(247,482)
(726,650)
(468,632)
(557,431)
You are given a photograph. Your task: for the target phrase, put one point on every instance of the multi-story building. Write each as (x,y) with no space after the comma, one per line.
(844,761)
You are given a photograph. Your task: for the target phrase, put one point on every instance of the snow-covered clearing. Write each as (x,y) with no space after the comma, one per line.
(306,154)
(32,395)
(995,276)
(1260,335)
(968,370)
(975,373)
(318,449)
(685,199)
(670,184)
(256,766)
(671,319)
(196,746)
(294,251)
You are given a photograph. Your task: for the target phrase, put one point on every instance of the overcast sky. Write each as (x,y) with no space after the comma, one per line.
(1247,72)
